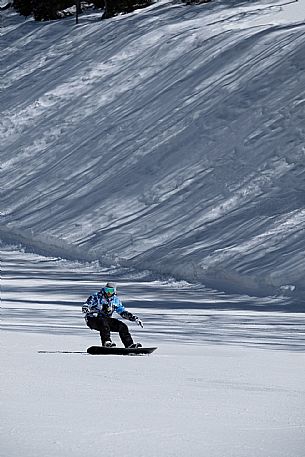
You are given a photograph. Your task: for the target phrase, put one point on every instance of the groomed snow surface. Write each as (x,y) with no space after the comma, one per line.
(224,382)
(163,150)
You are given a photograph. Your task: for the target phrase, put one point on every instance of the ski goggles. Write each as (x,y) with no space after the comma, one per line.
(109,291)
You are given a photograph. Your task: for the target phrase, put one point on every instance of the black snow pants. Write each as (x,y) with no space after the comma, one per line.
(105,325)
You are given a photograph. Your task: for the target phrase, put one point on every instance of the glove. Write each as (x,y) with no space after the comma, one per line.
(85,309)
(139,322)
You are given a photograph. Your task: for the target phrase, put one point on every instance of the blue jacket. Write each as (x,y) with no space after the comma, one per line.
(102,306)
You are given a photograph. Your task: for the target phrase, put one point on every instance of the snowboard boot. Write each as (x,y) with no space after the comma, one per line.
(109,344)
(135,346)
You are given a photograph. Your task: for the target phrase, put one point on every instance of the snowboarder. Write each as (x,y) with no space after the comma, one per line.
(99,309)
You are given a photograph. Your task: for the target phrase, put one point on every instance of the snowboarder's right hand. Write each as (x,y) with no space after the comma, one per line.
(85,309)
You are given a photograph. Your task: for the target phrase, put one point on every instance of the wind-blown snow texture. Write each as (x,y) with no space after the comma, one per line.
(171,139)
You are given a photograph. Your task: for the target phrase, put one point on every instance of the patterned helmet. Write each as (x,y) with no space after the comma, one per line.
(110,289)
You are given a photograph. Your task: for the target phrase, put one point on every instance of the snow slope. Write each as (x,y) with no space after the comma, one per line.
(170,139)
(224,382)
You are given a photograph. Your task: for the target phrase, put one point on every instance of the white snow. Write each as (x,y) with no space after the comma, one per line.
(163,150)
(225,381)
(170,139)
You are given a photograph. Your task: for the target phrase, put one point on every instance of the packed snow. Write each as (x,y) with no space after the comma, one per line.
(163,150)
(225,381)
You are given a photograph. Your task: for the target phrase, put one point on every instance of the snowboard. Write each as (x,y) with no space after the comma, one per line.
(100,350)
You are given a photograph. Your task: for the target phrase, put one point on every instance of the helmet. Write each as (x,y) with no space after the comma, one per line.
(110,289)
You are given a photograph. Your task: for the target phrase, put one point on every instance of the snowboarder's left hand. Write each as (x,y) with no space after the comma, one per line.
(139,322)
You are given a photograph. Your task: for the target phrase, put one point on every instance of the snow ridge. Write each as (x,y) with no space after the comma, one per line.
(170,139)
